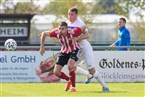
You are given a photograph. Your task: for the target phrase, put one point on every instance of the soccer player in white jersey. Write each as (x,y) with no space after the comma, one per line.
(86,48)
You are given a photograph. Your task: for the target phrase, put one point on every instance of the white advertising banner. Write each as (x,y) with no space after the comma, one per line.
(114,66)
(121,66)
(20,66)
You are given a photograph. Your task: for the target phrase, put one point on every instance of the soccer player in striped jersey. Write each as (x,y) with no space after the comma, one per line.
(86,48)
(69,51)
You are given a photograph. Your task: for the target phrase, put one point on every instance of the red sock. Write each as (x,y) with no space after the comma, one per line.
(64,76)
(72,78)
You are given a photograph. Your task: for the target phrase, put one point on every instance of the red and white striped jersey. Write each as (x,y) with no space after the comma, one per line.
(66,41)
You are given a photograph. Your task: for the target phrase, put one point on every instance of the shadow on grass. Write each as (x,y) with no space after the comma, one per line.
(112,92)
(103,92)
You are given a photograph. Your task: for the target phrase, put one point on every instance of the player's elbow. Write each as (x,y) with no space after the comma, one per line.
(45,33)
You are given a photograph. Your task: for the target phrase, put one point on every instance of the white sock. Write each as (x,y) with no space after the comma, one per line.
(80,70)
(98,77)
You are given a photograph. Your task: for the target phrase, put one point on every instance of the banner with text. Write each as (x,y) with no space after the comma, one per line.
(125,66)
(20,66)
(114,66)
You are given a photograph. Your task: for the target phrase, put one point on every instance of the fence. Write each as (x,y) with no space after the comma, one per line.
(95,48)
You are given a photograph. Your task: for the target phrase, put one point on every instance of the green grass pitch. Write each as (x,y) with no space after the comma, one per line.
(83,90)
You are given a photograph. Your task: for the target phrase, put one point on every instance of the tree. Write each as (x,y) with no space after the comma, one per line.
(103,7)
(60,9)
(20,7)
(132,6)
(26,8)
(8,6)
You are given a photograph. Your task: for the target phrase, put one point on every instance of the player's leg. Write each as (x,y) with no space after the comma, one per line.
(73,58)
(63,59)
(79,63)
(89,59)
(82,71)
(98,77)
(57,71)
(72,74)
(90,63)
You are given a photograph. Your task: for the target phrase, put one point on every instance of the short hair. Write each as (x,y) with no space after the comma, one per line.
(73,9)
(63,24)
(123,19)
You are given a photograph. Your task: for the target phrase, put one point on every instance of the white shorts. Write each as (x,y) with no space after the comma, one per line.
(86,54)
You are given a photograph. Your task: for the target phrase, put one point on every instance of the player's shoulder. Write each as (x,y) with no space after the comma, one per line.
(67,21)
(126,30)
(79,22)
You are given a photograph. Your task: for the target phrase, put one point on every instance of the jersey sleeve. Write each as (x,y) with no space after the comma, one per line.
(77,32)
(53,32)
(117,42)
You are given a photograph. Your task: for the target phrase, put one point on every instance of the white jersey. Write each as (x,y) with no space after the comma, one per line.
(86,48)
(79,23)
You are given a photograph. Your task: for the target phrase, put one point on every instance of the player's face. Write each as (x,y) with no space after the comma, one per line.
(121,23)
(62,30)
(72,16)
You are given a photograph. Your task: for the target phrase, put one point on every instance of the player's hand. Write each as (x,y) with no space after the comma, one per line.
(42,50)
(77,39)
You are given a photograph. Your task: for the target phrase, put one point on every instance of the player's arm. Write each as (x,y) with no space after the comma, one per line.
(51,33)
(39,35)
(85,34)
(78,30)
(43,35)
(42,39)
(83,28)
(116,43)
(112,45)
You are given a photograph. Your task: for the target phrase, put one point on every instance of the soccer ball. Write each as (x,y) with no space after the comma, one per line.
(10,44)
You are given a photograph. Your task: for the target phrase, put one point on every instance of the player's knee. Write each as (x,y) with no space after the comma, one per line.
(71,68)
(71,62)
(56,73)
(92,70)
